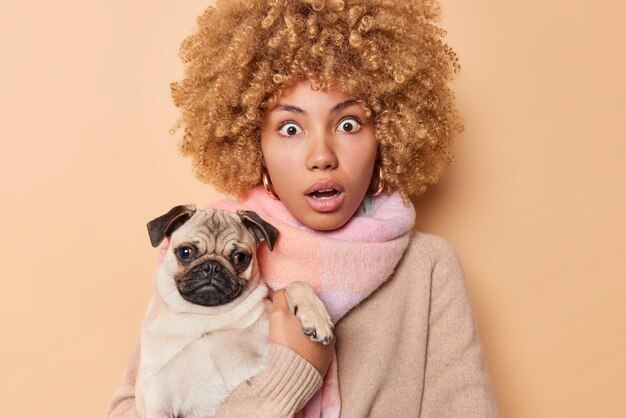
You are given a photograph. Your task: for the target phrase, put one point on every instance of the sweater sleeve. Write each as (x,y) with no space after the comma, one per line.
(283,388)
(122,404)
(456,383)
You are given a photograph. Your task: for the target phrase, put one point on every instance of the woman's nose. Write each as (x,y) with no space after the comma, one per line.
(321,154)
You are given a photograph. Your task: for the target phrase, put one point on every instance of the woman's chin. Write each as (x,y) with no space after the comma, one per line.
(326,221)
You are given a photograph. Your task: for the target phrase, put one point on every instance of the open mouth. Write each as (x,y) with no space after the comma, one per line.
(324,194)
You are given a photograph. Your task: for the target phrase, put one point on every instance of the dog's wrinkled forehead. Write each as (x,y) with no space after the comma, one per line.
(214,228)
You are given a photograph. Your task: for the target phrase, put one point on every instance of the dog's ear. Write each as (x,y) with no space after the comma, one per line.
(165,225)
(261,230)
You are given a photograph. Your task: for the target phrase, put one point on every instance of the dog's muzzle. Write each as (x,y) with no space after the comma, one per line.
(209,284)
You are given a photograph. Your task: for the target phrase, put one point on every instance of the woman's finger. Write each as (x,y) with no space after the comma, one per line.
(280,301)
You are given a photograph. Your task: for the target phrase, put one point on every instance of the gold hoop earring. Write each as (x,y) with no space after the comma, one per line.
(267,185)
(381,182)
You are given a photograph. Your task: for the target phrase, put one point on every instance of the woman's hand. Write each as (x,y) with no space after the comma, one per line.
(285,329)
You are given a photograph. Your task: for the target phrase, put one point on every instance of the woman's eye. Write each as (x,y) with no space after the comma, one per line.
(185,253)
(349,125)
(290,129)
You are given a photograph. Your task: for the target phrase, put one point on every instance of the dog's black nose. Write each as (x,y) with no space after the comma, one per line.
(212,267)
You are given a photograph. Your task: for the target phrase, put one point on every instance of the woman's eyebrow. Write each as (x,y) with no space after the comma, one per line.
(290,108)
(295,109)
(340,106)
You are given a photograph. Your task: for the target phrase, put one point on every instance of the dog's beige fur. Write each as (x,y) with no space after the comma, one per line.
(193,356)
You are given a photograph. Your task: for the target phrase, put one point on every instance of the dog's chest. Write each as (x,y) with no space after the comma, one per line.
(201,376)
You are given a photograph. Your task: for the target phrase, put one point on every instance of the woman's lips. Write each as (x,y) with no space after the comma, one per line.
(325,196)
(326,204)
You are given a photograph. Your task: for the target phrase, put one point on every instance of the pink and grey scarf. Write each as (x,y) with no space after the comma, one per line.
(344,266)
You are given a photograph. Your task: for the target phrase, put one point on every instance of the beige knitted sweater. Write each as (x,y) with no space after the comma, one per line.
(409,350)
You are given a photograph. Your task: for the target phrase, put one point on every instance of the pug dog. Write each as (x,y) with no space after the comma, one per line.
(206,328)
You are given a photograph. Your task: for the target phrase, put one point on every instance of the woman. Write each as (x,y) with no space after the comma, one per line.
(342,110)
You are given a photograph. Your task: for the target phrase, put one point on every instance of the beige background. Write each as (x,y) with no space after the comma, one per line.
(535,204)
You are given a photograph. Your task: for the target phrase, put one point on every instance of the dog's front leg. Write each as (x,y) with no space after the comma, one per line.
(148,402)
(314,317)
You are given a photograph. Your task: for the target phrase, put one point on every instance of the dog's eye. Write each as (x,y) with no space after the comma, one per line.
(241,259)
(185,253)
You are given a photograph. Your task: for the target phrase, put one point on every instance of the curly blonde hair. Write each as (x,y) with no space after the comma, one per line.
(387,54)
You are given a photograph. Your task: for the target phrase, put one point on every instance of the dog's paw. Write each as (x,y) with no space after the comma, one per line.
(314,317)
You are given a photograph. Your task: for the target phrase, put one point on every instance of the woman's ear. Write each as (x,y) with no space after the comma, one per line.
(377,183)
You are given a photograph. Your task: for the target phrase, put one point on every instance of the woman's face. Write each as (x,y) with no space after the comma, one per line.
(319,150)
